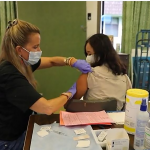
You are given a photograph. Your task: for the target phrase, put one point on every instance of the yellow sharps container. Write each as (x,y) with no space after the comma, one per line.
(133,101)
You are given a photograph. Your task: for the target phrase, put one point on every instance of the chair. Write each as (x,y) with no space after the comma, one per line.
(76,105)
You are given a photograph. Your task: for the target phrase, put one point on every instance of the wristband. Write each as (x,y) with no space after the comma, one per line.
(66,94)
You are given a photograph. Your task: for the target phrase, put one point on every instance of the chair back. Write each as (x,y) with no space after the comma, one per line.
(76,105)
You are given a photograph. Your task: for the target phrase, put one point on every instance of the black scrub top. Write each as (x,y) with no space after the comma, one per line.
(16,97)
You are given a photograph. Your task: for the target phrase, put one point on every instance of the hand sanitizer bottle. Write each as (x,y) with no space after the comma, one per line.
(147,136)
(142,119)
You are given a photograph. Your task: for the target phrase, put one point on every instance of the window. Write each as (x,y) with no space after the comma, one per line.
(111,21)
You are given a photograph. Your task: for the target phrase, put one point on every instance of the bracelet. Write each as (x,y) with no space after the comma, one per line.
(67,61)
(70,61)
(66,94)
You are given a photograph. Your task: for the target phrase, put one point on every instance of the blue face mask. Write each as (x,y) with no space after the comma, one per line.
(34,57)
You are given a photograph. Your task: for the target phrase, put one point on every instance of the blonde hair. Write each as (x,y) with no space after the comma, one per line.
(17,34)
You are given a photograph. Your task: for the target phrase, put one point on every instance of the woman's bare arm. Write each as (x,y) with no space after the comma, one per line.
(45,106)
(82,86)
(47,62)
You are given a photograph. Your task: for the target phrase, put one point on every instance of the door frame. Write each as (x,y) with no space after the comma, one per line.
(93,25)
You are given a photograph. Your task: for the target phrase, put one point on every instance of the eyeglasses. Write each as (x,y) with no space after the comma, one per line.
(12,23)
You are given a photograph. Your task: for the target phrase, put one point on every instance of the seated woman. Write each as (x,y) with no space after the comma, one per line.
(108,78)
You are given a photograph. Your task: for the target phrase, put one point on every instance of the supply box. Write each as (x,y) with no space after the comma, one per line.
(117,139)
(96,134)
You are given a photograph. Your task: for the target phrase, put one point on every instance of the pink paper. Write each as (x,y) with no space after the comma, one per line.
(85,118)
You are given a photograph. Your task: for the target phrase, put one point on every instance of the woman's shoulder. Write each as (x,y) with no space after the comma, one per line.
(103,70)
(102,67)
(8,72)
(7,68)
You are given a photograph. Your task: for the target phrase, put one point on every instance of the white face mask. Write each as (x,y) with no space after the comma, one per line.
(34,57)
(90,59)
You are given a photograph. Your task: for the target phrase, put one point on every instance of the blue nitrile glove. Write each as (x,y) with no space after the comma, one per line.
(82,65)
(72,90)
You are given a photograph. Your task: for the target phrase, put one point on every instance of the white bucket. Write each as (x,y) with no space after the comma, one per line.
(133,101)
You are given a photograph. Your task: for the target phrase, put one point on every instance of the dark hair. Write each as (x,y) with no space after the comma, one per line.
(104,50)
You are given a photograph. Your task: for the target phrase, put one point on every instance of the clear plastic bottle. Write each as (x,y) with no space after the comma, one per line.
(147,136)
(142,119)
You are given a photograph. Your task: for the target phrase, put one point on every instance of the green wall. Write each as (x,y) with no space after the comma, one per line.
(61,35)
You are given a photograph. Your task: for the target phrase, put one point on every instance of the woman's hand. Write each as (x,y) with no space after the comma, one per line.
(82,65)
